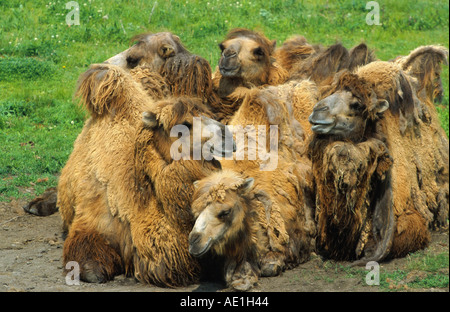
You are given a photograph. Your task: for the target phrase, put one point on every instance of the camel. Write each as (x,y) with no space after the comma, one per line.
(164,68)
(370,205)
(282,205)
(186,73)
(149,49)
(423,65)
(227,224)
(125,203)
(246,61)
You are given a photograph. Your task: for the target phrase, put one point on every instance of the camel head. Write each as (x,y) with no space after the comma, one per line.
(180,125)
(345,112)
(246,55)
(220,205)
(151,50)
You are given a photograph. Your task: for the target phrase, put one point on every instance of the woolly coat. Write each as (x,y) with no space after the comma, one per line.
(125,205)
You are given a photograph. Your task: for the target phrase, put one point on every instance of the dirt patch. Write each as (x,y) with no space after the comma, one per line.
(31,260)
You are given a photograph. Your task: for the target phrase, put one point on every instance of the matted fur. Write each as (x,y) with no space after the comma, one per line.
(346,231)
(424,67)
(121,192)
(153,83)
(287,223)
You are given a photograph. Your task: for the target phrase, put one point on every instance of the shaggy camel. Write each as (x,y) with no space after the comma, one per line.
(163,53)
(424,64)
(164,67)
(124,202)
(369,202)
(284,211)
(227,225)
(246,61)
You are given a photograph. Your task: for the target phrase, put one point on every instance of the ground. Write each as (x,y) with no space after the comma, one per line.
(31,260)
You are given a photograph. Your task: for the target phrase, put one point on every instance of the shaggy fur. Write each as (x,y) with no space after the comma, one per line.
(239,244)
(285,211)
(424,66)
(370,203)
(175,73)
(123,201)
(319,64)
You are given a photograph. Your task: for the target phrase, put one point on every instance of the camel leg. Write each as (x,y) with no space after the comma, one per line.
(98,260)
(43,205)
(240,276)
(272,264)
(161,255)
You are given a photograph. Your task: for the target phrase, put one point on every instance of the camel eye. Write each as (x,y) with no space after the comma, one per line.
(223,214)
(132,61)
(187,124)
(355,106)
(258,52)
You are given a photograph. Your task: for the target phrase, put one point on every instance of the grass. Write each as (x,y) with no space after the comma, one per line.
(423,270)
(41,57)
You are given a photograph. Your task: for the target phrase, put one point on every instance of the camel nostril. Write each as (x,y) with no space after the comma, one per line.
(321,108)
(229,54)
(194,238)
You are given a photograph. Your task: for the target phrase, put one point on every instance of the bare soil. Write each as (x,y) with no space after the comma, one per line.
(31,261)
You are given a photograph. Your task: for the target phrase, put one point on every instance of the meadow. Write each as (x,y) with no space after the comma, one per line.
(41,57)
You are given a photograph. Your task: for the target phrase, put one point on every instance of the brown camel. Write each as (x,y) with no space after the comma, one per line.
(283,208)
(424,65)
(370,205)
(124,201)
(246,61)
(164,67)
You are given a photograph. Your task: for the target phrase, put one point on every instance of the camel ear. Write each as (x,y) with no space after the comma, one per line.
(196,184)
(381,106)
(245,187)
(273,45)
(166,50)
(149,119)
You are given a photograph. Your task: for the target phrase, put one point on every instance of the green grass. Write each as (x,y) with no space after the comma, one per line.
(41,57)
(423,270)
(433,270)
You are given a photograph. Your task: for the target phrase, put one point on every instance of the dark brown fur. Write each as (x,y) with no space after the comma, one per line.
(305,61)
(361,195)
(43,205)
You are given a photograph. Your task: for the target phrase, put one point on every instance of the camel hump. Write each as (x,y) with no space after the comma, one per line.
(427,55)
(330,61)
(100,89)
(424,63)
